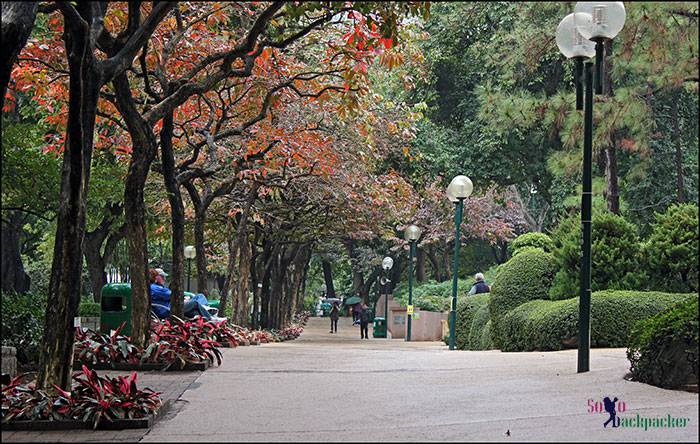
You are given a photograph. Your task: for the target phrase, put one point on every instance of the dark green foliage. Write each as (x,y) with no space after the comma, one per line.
(663,349)
(89,309)
(553,325)
(537,240)
(523,278)
(23,324)
(671,252)
(615,253)
(472,315)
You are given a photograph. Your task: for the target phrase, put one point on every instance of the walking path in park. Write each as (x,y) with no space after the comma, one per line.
(337,387)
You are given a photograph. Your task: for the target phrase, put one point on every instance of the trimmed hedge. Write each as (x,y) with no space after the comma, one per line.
(553,325)
(663,350)
(534,239)
(615,255)
(472,315)
(88,309)
(525,277)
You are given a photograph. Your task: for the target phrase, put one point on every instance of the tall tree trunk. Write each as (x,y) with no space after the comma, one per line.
(17,23)
(14,278)
(177,216)
(328,278)
(56,362)
(435,265)
(96,267)
(420,265)
(201,259)
(144,150)
(244,253)
(230,268)
(446,261)
(680,187)
(612,188)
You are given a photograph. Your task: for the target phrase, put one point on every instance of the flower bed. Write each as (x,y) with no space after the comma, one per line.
(175,344)
(94,402)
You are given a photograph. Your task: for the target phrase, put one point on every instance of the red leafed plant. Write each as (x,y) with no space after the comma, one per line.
(92,398)
(176,343)
(99,348)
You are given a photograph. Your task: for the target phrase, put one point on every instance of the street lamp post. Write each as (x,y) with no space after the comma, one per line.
(606,21)
(387,263)
(412,234)
(591,22)
(459,189)
(190,253)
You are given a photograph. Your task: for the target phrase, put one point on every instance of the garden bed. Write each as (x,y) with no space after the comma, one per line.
(146,366)
(104,424)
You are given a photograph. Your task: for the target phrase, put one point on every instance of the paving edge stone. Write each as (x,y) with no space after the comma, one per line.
(118,424)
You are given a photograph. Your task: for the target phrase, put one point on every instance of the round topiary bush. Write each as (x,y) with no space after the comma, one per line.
(553,325)
(537,240)
(663,350)
(671,252)
(615,252)
(525,277)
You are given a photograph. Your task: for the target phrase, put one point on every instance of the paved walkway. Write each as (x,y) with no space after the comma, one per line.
(324,387)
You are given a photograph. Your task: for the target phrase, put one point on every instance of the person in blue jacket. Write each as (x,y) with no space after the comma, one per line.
(160,299)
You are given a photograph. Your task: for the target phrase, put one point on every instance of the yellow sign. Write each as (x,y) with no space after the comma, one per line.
(409,310)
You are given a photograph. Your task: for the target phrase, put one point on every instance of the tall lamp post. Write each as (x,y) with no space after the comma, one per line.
(412,234)
(459,189)
(190,253)
(591,22)
(387,263)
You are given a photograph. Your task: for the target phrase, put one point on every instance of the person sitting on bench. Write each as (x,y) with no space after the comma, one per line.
(160,299)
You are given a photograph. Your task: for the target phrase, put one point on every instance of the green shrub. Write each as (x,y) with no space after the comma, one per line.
(615,253)
(470,320)
(88,309)
(671,252)
(486,340)
(553,325)
(537,240)
(23,324)
(663,350)
(524,277)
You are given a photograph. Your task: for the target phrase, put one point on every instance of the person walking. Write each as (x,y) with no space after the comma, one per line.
(356,310)
(364,322)
(335,314)
(480,286)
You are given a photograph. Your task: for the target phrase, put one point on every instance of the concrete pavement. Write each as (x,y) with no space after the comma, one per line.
(336,387)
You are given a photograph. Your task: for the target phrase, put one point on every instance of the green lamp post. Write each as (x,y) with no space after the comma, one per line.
(190,253)
(591,22)
(387,263)
(459,189)
(412,234)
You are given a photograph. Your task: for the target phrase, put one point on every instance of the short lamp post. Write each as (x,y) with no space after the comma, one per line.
(459,189)
(387,263)
(412,234)
(190,253)
(581,35)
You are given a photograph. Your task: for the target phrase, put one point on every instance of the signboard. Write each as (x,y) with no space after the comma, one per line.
(409,310)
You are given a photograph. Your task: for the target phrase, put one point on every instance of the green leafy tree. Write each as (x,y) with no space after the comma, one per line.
(671,252)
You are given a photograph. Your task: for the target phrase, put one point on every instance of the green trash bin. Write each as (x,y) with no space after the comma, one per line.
(379,330)
(116,308)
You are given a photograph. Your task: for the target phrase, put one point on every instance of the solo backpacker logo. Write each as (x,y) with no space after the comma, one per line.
(613,407)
